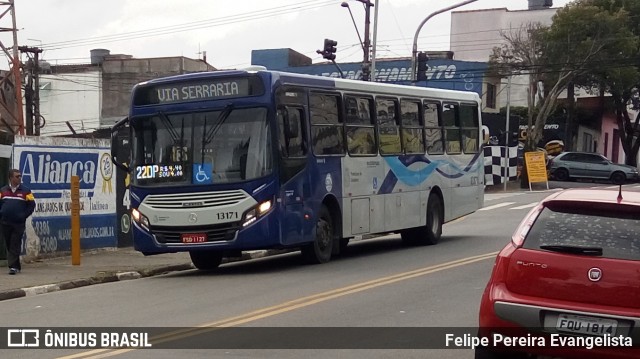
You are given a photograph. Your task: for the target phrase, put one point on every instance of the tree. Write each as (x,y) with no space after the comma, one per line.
(619,73)
(575,44)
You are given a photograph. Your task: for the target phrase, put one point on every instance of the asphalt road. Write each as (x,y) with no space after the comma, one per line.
(378,283)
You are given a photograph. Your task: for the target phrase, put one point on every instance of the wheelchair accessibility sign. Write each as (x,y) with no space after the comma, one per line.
(202,173)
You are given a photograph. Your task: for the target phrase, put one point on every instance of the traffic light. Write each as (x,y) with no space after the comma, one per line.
(423,58)
(329,51)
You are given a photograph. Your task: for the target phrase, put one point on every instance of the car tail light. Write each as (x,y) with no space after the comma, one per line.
(523,229)
(501,265)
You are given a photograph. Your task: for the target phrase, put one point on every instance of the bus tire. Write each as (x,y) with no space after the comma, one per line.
(206,260)
(435,219)
(319,251)
(344,242)
(431,232)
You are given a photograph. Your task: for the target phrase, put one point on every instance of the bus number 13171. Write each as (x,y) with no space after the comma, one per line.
(228,215)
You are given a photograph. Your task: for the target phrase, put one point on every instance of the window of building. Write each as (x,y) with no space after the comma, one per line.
(587,142)
(360,129)
(327,133)
(491,96)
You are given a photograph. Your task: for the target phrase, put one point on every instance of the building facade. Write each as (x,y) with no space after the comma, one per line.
(475,33)
(83,98)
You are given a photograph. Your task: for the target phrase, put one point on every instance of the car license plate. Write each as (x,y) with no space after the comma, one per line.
(194,237)
(586,325)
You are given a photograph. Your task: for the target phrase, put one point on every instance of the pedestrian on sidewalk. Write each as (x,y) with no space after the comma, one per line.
(16,205)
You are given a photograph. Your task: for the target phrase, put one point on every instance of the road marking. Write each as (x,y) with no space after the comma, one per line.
(288,306)
(496,206)
(494,196)
(525,206)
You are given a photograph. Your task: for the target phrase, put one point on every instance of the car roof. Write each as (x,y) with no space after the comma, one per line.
(595,196)
(582,153)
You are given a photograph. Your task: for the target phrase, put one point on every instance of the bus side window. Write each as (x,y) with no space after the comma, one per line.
(290,134)
(412,133)
(470,127)
(451,123)
(389,131)
(361,136)
(433,128)
(327,132)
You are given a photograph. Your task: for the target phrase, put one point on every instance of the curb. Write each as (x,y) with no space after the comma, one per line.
(99,278)
(115,276)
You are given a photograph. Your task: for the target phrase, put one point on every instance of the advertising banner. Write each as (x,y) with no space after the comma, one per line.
(440,73)
(47,165)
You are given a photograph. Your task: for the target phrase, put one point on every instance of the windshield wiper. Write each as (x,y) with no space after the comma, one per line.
(167,124)
(224,114)
(204,130)
(588,251)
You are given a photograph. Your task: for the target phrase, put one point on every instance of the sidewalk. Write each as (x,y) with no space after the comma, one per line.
(53,274)
(512,186)
(50,275)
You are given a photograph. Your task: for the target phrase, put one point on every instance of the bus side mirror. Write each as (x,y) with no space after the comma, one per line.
(291,127)
(114,143)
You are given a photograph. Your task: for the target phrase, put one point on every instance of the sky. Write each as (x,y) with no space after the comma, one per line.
(227,30)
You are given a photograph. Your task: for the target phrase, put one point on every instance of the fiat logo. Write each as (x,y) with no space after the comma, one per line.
(193,218)
(595,274)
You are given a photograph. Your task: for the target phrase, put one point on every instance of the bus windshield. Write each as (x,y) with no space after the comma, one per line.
(223,146)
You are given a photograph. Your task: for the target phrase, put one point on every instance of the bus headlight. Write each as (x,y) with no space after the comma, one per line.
(256,212)
(140,218)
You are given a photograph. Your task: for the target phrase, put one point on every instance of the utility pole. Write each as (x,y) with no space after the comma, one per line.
(28,99)
(366,62)
(373,48)
(11,109)
(507,135)
(32,90)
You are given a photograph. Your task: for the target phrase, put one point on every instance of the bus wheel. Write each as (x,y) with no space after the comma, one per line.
(206,260)
(431,232)
(435,219)
(319,251)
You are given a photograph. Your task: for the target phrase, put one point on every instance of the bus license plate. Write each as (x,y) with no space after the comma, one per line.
(194,237)
(586,325)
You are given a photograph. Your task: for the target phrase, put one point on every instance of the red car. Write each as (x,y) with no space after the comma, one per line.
(568,283)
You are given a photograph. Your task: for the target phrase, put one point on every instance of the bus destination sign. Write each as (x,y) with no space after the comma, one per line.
(148,172)
(200,90)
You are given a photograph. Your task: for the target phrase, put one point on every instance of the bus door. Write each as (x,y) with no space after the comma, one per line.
(294,181)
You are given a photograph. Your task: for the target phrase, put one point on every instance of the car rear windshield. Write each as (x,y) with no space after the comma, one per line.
(615,232)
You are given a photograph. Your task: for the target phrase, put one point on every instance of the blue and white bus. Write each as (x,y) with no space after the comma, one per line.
(229,161)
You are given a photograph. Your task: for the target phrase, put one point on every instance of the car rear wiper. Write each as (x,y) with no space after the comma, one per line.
(588,251)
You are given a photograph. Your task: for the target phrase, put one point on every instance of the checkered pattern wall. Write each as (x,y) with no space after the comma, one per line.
(494,164)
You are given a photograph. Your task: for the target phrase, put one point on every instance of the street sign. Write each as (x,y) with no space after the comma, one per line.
(536,167)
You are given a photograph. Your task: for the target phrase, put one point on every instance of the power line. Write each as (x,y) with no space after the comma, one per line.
(195,25)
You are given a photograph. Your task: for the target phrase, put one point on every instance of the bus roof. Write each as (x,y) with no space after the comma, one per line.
(329,83)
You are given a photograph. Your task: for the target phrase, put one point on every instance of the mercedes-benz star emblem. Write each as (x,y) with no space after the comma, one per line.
(193,218)
(595,274)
